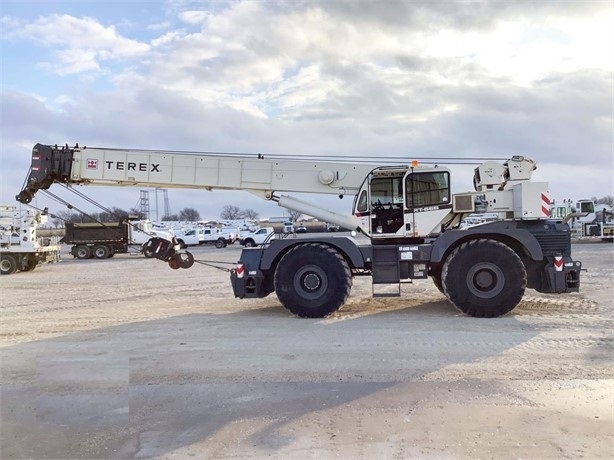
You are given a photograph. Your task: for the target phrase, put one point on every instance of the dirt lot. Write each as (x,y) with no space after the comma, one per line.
(126,358)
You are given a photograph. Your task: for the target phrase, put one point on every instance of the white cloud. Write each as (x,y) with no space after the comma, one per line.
(193,17)
(370,78)
(78,44)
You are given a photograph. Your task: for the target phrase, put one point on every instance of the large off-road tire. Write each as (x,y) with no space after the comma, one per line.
(83,252)
(312,280)
(8,264)
(435,274)
(28,263)
(102,252)
(484,278)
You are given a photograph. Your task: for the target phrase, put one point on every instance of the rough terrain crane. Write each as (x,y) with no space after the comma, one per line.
(408,213)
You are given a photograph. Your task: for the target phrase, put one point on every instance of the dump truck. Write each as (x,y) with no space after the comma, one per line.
(102,240)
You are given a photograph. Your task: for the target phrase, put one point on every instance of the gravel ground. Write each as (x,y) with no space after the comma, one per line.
(126,358)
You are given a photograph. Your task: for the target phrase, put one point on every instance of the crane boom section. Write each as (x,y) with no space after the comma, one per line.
(118,167)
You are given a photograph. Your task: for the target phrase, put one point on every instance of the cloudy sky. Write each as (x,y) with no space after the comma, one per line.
(345,77)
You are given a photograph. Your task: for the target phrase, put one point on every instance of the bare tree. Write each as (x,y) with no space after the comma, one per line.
(56,221)
(112,215)
(609,200)
(231,212)
(59,218)
(134,212)
(68,216)
(189,214)
(294,215)
(250,214)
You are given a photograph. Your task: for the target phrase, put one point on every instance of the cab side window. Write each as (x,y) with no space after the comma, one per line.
(427,189)
(362,202)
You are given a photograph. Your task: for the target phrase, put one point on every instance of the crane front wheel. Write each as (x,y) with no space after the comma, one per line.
(484,278)
(312,280)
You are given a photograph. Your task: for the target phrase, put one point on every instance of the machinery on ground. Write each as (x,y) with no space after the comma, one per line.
(407,212)
(586,219)
(20,247)
(103,240)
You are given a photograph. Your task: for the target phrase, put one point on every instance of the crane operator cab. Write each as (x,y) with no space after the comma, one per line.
(404,202)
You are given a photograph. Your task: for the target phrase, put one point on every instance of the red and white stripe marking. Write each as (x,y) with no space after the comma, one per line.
(558,263)
(545,205)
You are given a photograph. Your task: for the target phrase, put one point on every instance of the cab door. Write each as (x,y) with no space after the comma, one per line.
(362,209)
(379,203)
(427,201)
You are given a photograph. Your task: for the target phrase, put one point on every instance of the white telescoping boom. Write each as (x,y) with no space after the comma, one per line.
(408,211)
(266,177)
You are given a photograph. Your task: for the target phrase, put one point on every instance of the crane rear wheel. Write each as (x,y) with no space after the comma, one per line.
(312,280)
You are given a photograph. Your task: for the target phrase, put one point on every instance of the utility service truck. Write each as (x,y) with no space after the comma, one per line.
(199,235)
(586,219)
(257,237)
(407,212)
(102,240)
(20,247)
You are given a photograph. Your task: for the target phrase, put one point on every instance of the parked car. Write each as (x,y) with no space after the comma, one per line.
(301,229)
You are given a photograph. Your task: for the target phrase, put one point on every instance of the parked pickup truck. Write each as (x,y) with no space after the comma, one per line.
(189,237)
(220,237)
(259,237)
